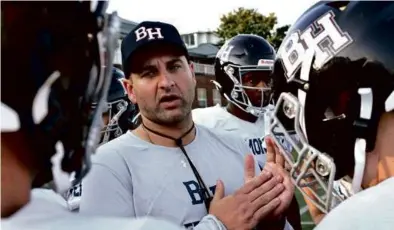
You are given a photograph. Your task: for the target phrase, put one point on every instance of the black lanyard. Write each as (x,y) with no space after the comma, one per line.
(178,141)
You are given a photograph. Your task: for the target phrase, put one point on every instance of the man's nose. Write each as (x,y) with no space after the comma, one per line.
(166,81)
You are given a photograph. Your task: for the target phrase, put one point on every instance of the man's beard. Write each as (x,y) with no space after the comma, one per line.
(159,116)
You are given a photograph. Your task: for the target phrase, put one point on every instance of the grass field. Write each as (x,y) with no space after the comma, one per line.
(306,220)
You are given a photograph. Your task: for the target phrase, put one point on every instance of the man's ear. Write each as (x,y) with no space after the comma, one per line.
(191,66)
(128,86)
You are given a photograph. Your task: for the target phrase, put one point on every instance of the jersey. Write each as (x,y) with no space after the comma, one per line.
(45,212)
(133,178)
(369,209)
(253,133)
(49,195)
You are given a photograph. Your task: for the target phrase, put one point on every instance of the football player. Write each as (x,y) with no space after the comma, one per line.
(334,80)
(49,123)
(243,69)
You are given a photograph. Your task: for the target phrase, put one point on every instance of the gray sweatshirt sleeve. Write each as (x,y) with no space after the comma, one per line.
(210,222)
(107,189)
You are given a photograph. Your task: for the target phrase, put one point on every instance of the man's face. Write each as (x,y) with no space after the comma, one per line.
(162,84)
(259,80)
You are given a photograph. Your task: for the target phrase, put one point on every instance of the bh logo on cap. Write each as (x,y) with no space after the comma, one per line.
(151,33)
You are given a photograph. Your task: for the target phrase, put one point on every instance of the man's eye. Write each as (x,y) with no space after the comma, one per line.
(175,68)
(148,74)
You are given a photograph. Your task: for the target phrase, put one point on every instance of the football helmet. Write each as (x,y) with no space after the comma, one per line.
(333,79)
(239,57)
(118,113)
(60,54)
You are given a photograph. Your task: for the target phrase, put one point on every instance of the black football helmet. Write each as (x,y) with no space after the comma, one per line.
(333,79)
(241,55)
(52,73)
(119,110)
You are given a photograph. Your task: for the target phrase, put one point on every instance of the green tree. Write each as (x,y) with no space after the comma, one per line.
(277,36)
(249,21)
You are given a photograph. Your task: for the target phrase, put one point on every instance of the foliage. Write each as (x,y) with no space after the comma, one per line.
(249,21)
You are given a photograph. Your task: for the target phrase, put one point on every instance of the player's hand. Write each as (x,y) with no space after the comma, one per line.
(251,203)
(276,165)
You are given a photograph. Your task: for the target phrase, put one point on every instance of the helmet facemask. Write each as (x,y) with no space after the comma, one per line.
(112,115)
(310,168)
(238,95)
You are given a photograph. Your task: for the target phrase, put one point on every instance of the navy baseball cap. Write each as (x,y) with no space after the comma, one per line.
(147,33)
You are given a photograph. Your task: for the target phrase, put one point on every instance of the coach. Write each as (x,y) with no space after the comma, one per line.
(170,168)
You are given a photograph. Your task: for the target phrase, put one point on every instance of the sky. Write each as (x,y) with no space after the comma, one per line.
(204,15)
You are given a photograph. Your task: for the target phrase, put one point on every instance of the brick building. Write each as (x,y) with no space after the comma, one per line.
(206,93)
(202,52)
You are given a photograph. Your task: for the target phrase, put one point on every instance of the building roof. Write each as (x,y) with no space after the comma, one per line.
(126,26)
(200,32)
(205,50)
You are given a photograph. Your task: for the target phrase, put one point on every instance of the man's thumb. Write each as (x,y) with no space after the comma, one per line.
(219,191)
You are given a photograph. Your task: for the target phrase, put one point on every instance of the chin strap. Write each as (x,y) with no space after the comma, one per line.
(359,166)
(178,141)
(360,145)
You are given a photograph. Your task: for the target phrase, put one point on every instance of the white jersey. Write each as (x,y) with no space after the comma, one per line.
(132,177)
(372,208)
(46,211)
(253,133)
(49,195)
